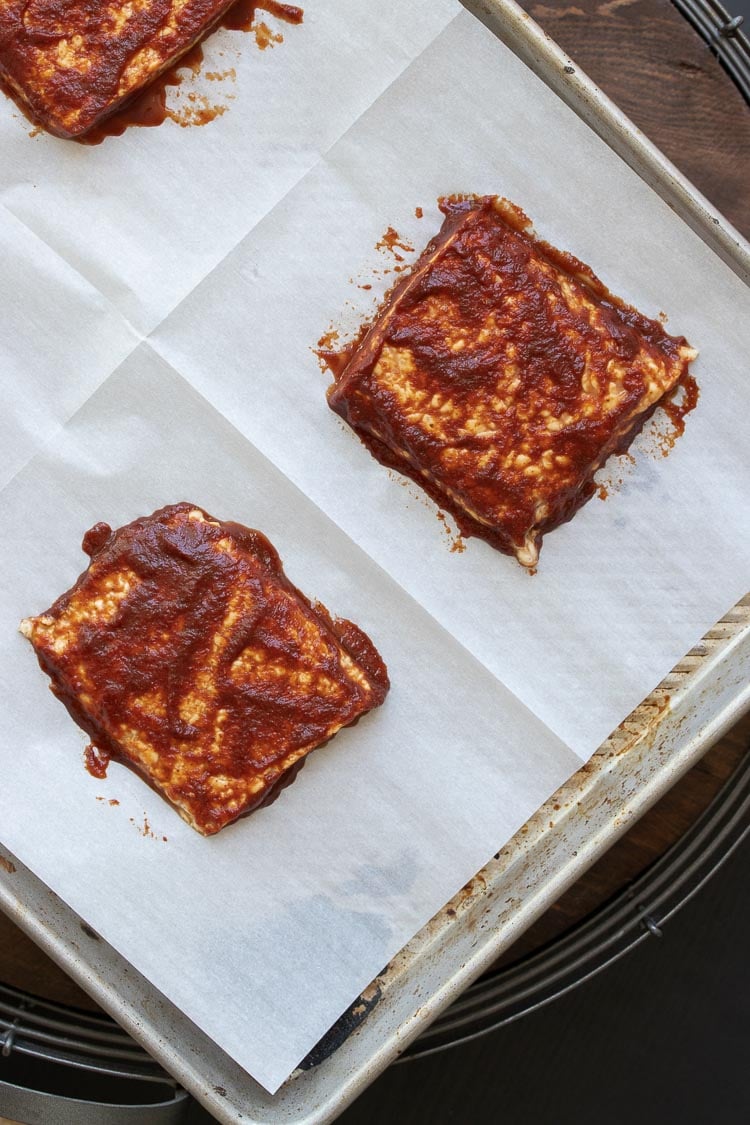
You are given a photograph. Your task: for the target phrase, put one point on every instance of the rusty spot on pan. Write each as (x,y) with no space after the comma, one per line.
(468,893)
(642,724)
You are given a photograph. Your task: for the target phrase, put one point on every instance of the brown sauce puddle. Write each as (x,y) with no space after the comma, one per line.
(149,108)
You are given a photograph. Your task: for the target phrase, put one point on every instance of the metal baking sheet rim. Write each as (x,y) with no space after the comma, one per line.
(525,38)
(664,737)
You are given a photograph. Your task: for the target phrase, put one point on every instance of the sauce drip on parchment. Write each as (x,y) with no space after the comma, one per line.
(149,108)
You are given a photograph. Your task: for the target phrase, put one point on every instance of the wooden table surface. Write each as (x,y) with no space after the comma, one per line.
(651,62)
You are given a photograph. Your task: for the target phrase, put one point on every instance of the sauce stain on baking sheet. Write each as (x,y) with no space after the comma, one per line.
(145,828)
(333,355)
(458,546)
(392,243)
(683,399)
(332,352)
(643,724)
(330,357)
(149,108)
(96,761)
(241,16)
(659,436)
(7,865)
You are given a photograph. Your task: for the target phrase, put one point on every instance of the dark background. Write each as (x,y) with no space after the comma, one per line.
(662,1036)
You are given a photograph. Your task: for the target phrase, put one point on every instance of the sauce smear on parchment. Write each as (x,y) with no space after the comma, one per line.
(149,108)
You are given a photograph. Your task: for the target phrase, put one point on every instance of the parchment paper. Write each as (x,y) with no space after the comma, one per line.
(163,293)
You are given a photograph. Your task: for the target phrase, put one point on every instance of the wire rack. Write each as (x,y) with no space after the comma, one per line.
(724,35)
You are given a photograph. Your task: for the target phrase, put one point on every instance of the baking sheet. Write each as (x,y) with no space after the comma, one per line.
(279,922)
